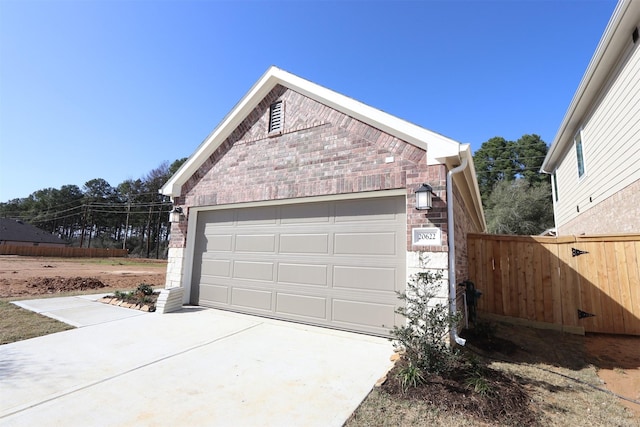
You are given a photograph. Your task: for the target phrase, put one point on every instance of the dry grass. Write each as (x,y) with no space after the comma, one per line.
(382,409)
(136,262)
(553,369)
(558,402)
(18,324)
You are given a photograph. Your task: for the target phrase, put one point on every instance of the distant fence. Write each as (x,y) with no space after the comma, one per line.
(583,283)
(63,252)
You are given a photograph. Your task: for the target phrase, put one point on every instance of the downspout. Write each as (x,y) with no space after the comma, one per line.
(452,248)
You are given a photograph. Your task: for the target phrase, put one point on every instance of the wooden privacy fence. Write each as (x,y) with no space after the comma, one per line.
(584,283)
(63,252)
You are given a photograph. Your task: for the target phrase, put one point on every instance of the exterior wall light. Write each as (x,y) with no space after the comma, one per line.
(175,214)
(424,197)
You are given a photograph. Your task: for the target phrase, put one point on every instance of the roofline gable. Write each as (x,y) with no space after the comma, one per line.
(615,38)
(439,146)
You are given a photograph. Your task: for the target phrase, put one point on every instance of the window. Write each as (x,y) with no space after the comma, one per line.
(578,141)
(276,117)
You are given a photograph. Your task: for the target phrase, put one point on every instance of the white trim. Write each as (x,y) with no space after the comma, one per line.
(187,264)
(311,199)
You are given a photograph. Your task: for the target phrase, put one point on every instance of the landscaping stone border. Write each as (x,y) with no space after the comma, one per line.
(112,300)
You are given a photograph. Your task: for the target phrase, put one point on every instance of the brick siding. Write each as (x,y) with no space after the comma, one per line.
(320,152)
(464,224)
(617,214)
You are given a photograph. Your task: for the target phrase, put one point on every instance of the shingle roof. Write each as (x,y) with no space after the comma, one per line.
(18,231)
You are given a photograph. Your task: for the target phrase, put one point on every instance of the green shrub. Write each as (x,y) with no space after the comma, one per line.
(409,376)
(145,289)
(479,384)
(423,337)
(141,295)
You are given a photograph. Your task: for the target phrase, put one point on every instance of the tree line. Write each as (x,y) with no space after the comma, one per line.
(516,197)
(132,215)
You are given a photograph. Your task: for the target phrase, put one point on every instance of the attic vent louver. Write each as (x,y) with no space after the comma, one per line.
(276,117)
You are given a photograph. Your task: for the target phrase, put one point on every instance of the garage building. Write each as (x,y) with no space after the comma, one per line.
(301,206)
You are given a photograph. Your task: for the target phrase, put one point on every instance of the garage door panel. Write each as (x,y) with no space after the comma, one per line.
(366,278)
(216,267)
(257,216)
(250,270)
(301,305)
(305,213)
(255,243)
(219,243)
(251,298)
(366,314)
(213,220)
(304,243)
(367,210)
(214,293)
(365,244)
(304,274)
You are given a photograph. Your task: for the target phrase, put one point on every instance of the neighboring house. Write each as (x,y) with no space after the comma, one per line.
(17,233)
(300,206)
(595,157)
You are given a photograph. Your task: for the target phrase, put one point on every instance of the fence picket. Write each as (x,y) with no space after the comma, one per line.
(540,279)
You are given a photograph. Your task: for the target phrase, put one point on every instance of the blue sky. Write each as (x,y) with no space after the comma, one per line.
(111,89)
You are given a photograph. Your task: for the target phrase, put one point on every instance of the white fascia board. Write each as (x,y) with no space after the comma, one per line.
(474,188)
(438,147)
(615,37)
(470,189)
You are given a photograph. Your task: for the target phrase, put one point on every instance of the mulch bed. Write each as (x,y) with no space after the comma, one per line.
(503,401)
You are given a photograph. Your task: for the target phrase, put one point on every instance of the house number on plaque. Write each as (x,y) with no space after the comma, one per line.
(427,236)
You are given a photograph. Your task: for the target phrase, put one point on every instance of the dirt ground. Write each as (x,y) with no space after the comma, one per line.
(617,358)
(31,276)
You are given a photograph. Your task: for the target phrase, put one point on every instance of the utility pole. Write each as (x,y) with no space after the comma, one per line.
(158,228)
(149,231)
(90,228)
(84,217)
(126,227)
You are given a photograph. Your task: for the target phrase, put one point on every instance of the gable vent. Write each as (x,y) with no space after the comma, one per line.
(276,117)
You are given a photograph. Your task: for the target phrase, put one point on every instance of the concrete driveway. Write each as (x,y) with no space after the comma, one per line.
(197,367)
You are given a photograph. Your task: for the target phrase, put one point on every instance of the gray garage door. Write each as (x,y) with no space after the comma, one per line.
(335,264)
